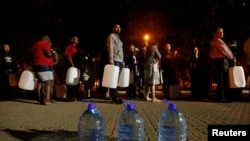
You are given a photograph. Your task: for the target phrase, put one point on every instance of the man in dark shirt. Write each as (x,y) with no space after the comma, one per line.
(7,66)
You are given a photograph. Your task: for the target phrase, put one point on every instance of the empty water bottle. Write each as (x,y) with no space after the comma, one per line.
(91,125)
(172,125)
(130,125)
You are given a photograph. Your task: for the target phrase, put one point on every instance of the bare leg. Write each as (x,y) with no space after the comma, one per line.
(38,88)
(147,91)
(107,93)
(153,94)
(48,85)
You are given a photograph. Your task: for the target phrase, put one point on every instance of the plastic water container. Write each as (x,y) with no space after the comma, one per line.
(236,77)
(110,76)
(124,77)
(73,76)
(172,125)
(27,80)
(91,125)
(130,124)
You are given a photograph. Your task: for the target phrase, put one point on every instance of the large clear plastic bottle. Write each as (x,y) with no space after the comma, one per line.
(91,125)
(130,125)
(172,125)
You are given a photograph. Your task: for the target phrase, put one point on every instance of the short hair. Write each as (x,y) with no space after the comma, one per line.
(46,38)
(217,28)
(73,38)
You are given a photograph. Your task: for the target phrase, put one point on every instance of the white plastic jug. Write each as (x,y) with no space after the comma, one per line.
(73,76)
(27,80)
(110,76)
(124,78)
(236,76)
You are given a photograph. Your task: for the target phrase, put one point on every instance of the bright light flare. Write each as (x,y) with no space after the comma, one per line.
(146,37)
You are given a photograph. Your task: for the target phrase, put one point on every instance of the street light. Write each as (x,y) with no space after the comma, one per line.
(146,37)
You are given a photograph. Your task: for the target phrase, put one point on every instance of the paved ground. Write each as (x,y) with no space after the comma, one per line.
(25,120)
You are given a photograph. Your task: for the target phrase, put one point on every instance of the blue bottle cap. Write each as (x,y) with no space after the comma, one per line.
(91,106)
(172,106)
(130,106)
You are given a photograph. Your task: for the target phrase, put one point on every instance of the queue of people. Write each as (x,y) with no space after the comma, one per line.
(145,64)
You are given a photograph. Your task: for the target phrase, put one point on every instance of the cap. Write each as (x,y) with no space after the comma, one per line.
(91,106)
(172,106)
(130,106)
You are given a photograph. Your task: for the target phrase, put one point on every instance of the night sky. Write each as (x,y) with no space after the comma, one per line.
(24,21)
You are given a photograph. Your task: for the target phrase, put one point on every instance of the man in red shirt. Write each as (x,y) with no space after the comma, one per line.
(221,55)
(42,64)
(74,58)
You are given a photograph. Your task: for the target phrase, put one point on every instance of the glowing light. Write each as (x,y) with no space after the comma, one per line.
(146,37)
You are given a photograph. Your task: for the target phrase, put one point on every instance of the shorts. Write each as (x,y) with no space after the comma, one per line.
(45,75)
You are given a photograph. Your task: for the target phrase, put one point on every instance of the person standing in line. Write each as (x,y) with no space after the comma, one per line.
(7,65)
(116,56)
(88,76)
(204,62)
(169,73)
(195,77)
(55,60)
(151,71)
(42,66)
(141,61)
(221,54)
(246,51)
(131,62)
(74,58)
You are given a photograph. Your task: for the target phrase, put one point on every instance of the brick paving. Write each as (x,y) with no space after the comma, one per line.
(23,119)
